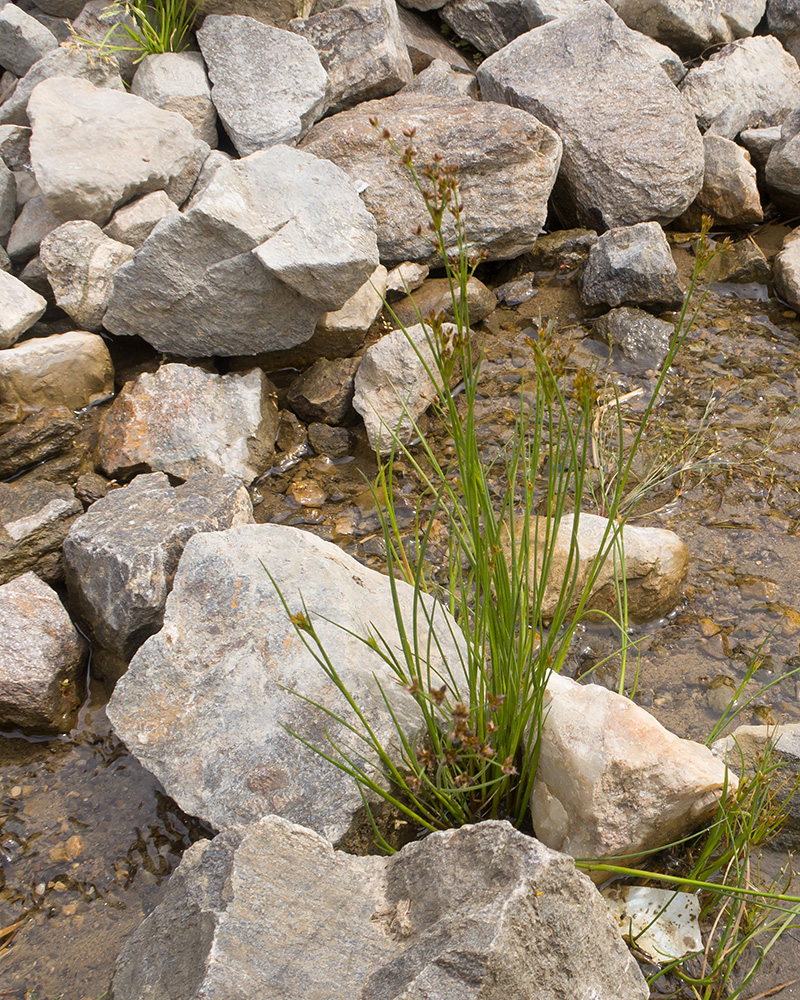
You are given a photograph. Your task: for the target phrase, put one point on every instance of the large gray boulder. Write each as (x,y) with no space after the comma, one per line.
(269,245)
(93,149)
(689,26)
(269,86)
(757,74)
(183,420)
(177,81)
(41,658)
(480,913)
(507,163)
(632,151)
(229,664)
(783,167)
(23,40)
(729,193)
(632,265)
(361,47)
(120,557)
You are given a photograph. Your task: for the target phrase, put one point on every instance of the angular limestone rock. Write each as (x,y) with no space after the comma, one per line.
(183,420)
(20,307)
(66,369)
(229,664)
(611,780)
(133,223)
(480,913)
(729,193)
(783,167)
(177,81)
(34,520)
(641,339)
(40,435)
(632,265)
(488,24)
(23,40)
(632,151)
(787,270)
(689,26)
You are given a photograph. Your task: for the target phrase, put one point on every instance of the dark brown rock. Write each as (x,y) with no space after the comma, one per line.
(324,393)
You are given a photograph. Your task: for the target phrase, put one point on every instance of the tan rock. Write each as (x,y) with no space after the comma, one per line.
(68,369)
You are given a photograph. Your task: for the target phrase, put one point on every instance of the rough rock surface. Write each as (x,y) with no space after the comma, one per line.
(277,13)
(33,223)
(120,557)
(8,201)
(425,44)
(689,26)
(93,149)
(41,656)
(435,297)
(269,244)
(38,436)
(729,193)
(184,420)
(23,40)
(611,780)
(782,172)
(787,270)
(755,73)
(34,520)
(507,162)
(393,387)
(759,143)
(177,81)
(632,151)
(229,663)
(632,265)
(480,913)
(356,316)
(361,47)
(97,24)
(783,21)
(66,369)
(133,223)
(19,308)
(269,86)
(488,24)
(325,391)
(81,262)
(441,80)
(641,339)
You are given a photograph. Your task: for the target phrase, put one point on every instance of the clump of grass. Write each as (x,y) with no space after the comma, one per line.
(144,27)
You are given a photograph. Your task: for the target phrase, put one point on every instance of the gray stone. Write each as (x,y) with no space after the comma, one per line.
(506,159)
(23,40)
(121,556)
(19,308)
(689,26)
(632,265)
(642,340)
(93,149)
(102,31)
(277,13)
(356,316)
(33,223)
(435,296)
(632,151)
(269,86)
(538,12)
(177,81)
(669,61)
(66,369)
(15,147)
(740,262)
(38,436)
(564,249)
(269,245)
(34,520)
(787,270)
(81,262)
(324,392)
(61,27)
(441,80)
(758,74)
(425,44)
(229,664)
(480,913)
(78,63)
(61,8)
(405,278)
(41,658)
(729,193)
(335,442)
(8,201)
(783,167)
(133,223)
(729,122)
(783,21)
(34,275)
(759,143)
(183,420)
(361,47)
(488,24)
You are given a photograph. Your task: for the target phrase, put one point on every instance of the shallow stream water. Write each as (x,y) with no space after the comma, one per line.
(88,838)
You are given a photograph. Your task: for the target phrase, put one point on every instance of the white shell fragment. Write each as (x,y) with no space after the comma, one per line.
(661,923)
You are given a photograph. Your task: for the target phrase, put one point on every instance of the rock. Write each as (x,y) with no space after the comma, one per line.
(66,369)
(689,26)
(565,249)
(783,21)
(59,62)
(538,12)
(464,913)
(91,487)
(324,392)
(612,781)
(229,663)
(425,44)
(94,149)
(34,520)
(740,262)
(121,556)
(755,73)
(81,262)
(277,13)
(39,436)
(656,563)
(8,201)
(335,442)
(269,245)
(405,278)
(435,297)
(19,309)
(669,61)
(783,167)
(183,420)
(759,143)
(787,270)
(729,122)
(133,223)
(98,27)
(632,265)
(440,80)
(269,86)
(642,339)
(23,40)
(41,658)
(621,165)
(61,8)
(360,45)
(393,387)
(518,290)
(506,160)
(33,223)
(357,314)
(15,146)
(729,193)
(177,81)
(488,24)
(34,275)
(27,187)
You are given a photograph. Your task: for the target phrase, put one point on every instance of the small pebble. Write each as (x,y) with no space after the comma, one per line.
(16,791)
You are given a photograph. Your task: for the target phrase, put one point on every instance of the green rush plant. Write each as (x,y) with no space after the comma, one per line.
(149,27)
